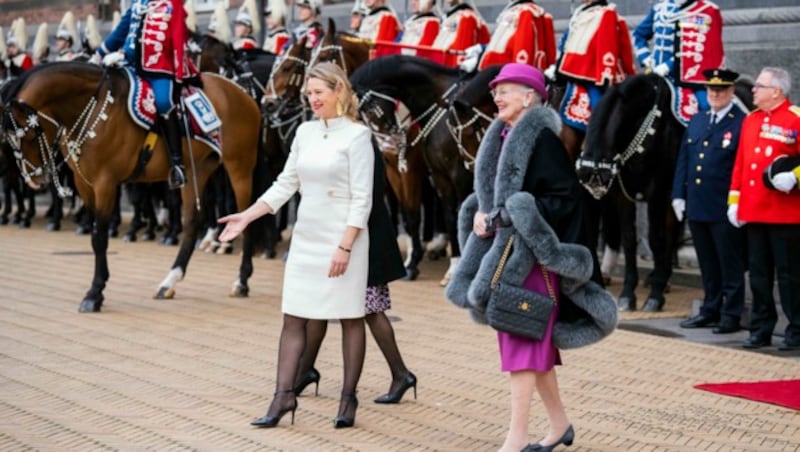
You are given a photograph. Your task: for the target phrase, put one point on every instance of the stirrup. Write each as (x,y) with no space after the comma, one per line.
(176,178)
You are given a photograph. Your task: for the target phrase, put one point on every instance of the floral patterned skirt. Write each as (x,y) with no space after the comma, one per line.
(378,299)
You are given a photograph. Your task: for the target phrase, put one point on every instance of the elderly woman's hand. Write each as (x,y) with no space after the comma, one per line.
(480,225)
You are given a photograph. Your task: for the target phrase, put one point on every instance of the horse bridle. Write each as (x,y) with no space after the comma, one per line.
(597,187)
(82,130)
(457,132)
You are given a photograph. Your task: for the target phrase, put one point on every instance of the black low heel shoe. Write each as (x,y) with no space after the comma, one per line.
(312,376)
(268,421)
(342,421)
(566,439)
(410,381)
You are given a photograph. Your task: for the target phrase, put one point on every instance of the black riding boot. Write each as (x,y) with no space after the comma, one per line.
(171,131)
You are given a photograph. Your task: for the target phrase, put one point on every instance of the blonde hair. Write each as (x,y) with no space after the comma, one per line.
(336,79)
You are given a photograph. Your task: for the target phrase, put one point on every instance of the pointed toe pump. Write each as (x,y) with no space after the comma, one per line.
(269,420)
(410,381)
(566,439)
(312,376)
(349,403)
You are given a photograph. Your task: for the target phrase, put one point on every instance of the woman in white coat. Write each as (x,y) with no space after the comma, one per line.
(331,165)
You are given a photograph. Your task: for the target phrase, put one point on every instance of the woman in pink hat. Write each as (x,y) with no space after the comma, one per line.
(526,187)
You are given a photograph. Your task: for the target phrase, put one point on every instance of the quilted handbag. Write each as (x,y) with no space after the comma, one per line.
(516,310)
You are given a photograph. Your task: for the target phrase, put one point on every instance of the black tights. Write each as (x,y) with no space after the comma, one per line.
(381,330)
(292,344)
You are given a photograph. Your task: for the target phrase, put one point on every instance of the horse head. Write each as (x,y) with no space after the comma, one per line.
(211,54)
(285,85)
(471,111)
(622,133)
(343,48)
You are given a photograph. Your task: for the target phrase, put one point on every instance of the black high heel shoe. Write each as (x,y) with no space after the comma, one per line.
(268,421)
(342,421)
(410,381)
(312,376)
(566,439)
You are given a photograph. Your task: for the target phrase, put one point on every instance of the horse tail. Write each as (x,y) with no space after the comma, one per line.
(258,230)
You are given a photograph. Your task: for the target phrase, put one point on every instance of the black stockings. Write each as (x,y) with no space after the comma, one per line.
(353,349)
(292,343)
(382,331)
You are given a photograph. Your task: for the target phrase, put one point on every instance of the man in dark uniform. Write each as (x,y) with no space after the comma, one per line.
(771,214)
(700,191)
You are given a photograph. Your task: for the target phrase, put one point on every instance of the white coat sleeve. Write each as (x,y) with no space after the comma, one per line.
(361,161)
(287,182)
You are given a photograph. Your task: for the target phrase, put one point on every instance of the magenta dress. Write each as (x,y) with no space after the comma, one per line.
(519,353)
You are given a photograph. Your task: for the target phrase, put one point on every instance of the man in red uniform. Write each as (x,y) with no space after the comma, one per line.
(461,29)
(421,28)
(772,217)
(595,53)
(277,34)
(18,60)
(380,24)
(524,34)
(244,27)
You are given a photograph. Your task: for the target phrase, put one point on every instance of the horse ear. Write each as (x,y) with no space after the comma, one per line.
(331,27)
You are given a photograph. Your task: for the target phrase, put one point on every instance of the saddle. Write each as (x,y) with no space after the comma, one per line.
(204,123)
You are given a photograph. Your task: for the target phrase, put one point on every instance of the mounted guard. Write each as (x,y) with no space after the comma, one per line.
(160,59)
(18,60)
(686,40)
(308,11)
(462,28)
(277,34)
(244,27)
(66,35)
(421,28)
(380,24)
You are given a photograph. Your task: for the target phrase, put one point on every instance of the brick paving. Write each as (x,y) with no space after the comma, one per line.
(190,373)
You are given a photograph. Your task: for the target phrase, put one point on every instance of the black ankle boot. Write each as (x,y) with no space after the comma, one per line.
(312,376)
(171,131)
(268,420)
(410,381)
(342,420)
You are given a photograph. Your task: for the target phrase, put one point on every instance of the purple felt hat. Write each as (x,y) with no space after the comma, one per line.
(524,74)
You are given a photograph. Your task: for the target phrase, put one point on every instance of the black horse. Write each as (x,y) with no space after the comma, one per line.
(630,154)
(426,88)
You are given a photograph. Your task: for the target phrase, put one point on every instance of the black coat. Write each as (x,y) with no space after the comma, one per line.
(385,260)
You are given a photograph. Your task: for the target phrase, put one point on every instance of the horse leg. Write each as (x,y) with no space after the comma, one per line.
(174,223)
(101,207)
(661,243)
(56,211)
(7,187)
(627,215)
(27,214)
(193,217)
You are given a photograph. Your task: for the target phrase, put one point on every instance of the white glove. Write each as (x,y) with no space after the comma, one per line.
(647,63)
(114,59)
(95,59)
(733,216)
(193,46)
(679,207)
(469,64)
(473,51)
(662,69)
(550,72)
(785,181)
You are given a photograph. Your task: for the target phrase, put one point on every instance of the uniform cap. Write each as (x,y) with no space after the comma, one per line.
(67,29)
(720,77)
(781,164)
(314,4)
(524,74)
(246,14)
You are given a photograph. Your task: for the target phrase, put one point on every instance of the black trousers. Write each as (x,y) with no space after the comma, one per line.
(720,253)
(774,249)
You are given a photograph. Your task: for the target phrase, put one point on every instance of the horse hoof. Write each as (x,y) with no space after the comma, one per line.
(52,227)
(626,304)
(653,305)
(82,230)
(169,240)
(148,236)
(25,224)
(89,305)
(445,281)
(164,293)
(129,237)
(113,232)
(434,255)
(3,221)
(411,274)
(270,254)
(239,291)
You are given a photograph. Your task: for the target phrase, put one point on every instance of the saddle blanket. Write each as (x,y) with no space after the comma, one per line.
(142,108)
(684,103)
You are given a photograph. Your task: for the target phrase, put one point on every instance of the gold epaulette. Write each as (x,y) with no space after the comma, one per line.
(795,109)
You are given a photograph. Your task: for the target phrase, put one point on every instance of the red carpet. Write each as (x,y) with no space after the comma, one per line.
(779,392)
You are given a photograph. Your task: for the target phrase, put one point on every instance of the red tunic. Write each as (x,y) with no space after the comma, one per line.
(765,136)
(276,41)
(381,24)
(245,43)
(524,34)
(699,38)
(23,61)
(597,48)
(164,53)
(461,28)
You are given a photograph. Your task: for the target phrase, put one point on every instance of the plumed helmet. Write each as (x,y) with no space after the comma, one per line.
(18,35)
(67,29)
(92,34)
(425,5)
(219,27)
(359,8)
(247,14)
(40,47)
(276,9)
(115,18)
(191,16)
(313,4)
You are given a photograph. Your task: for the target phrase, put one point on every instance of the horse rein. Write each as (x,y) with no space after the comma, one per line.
(457,132)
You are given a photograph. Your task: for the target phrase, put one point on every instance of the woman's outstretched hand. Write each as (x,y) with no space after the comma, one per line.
(234,225)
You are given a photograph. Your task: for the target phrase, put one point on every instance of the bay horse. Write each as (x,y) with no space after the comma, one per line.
(630,154)
(426,88)
(79,110)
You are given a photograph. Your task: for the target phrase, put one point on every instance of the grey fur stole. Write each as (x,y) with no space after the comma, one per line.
(499,179)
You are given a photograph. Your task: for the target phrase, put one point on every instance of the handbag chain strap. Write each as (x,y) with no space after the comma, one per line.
(502,264)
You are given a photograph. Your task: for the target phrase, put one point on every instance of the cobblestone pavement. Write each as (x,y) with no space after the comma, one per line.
(190,373)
